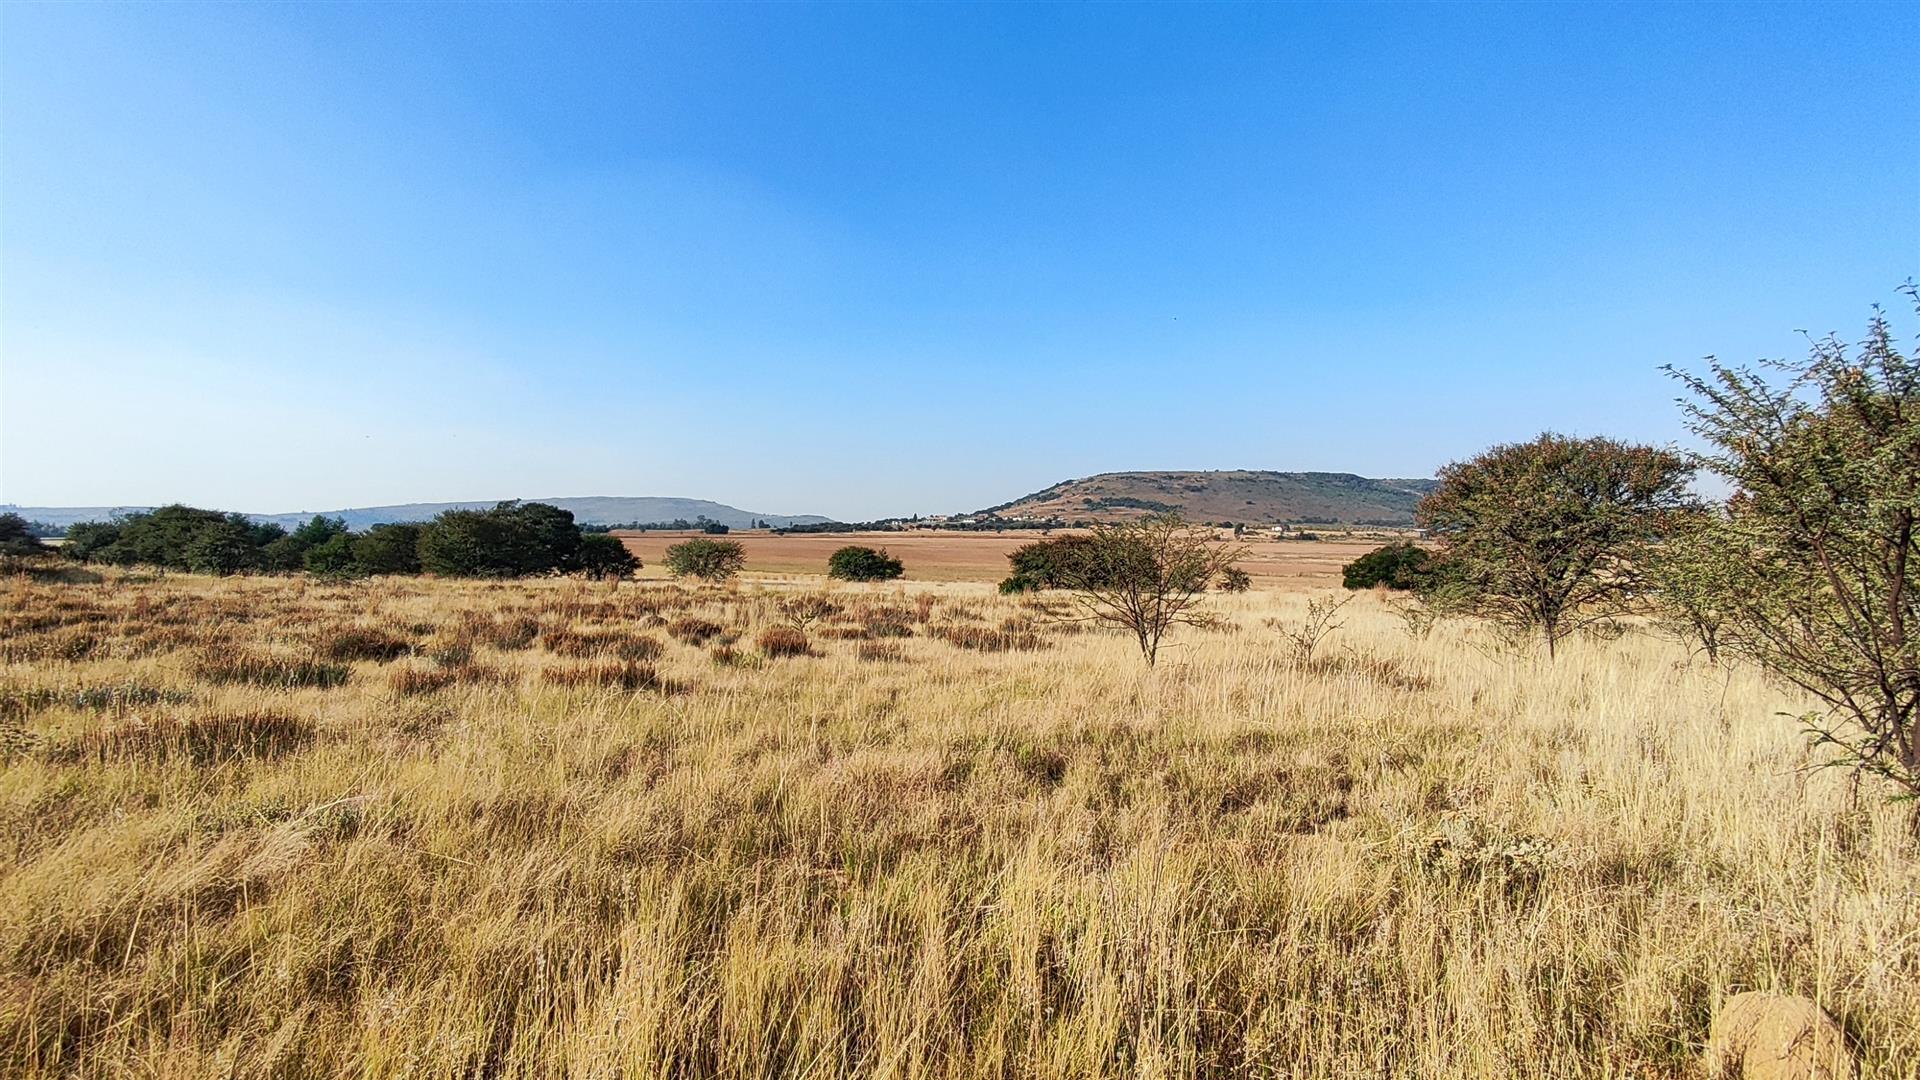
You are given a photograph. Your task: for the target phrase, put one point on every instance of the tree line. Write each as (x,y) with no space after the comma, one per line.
(511,539)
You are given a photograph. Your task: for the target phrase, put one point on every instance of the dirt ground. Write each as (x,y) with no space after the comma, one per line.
(982,556)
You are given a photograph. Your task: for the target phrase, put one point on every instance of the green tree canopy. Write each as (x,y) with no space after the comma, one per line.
(1544,536)
(708,560)
(1814,568)
(857,563)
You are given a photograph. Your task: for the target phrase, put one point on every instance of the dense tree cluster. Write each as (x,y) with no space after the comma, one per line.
(512,539)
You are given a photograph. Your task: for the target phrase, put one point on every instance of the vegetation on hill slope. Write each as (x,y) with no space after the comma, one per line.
(1252,497)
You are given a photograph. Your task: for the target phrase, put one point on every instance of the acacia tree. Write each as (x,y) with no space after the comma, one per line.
(1547,536)
(1147,576)
(708,560)
(1816,569)
(1684,576)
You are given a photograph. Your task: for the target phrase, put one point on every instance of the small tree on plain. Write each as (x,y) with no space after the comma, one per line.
(857,563)
(1148,576)
(1547,536)
(1815,567)
(705,559)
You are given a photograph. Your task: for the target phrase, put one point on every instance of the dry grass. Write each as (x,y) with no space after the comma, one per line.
(909,857)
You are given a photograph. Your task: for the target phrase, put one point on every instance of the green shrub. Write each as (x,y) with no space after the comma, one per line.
(708,560)
(333,557)
(388,549)
(1047,564)
(1402,566)
(178,538)
(856,563)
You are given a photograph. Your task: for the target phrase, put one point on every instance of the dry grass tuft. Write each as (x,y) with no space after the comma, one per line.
(364,643)
(693,631)
(1011,636)
(261,667)
(203,739)
(880,651)
(630,675)
(783,641)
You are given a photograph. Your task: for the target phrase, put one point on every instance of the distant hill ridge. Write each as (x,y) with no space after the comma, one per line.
(592,510)
(1250,496)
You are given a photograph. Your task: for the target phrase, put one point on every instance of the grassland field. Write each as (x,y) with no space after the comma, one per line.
(274,827)
(982,556)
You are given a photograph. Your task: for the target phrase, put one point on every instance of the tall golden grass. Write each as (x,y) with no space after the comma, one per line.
(572,831)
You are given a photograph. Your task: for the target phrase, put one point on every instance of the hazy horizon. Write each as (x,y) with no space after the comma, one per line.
(863,261)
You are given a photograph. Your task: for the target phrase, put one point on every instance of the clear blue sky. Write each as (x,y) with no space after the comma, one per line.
(884,259)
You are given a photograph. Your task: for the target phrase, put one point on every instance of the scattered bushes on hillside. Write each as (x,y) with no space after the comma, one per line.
(857,563)
(707,560)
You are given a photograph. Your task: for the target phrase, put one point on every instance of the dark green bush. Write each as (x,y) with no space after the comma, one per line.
(512,539)
(1048,564)
(178,538)
(17,539)
(388,549)
(604,556)
(333,557)
(1402,566)
(856,563)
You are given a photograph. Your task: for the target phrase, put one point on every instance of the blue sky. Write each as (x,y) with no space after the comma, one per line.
(865,260)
